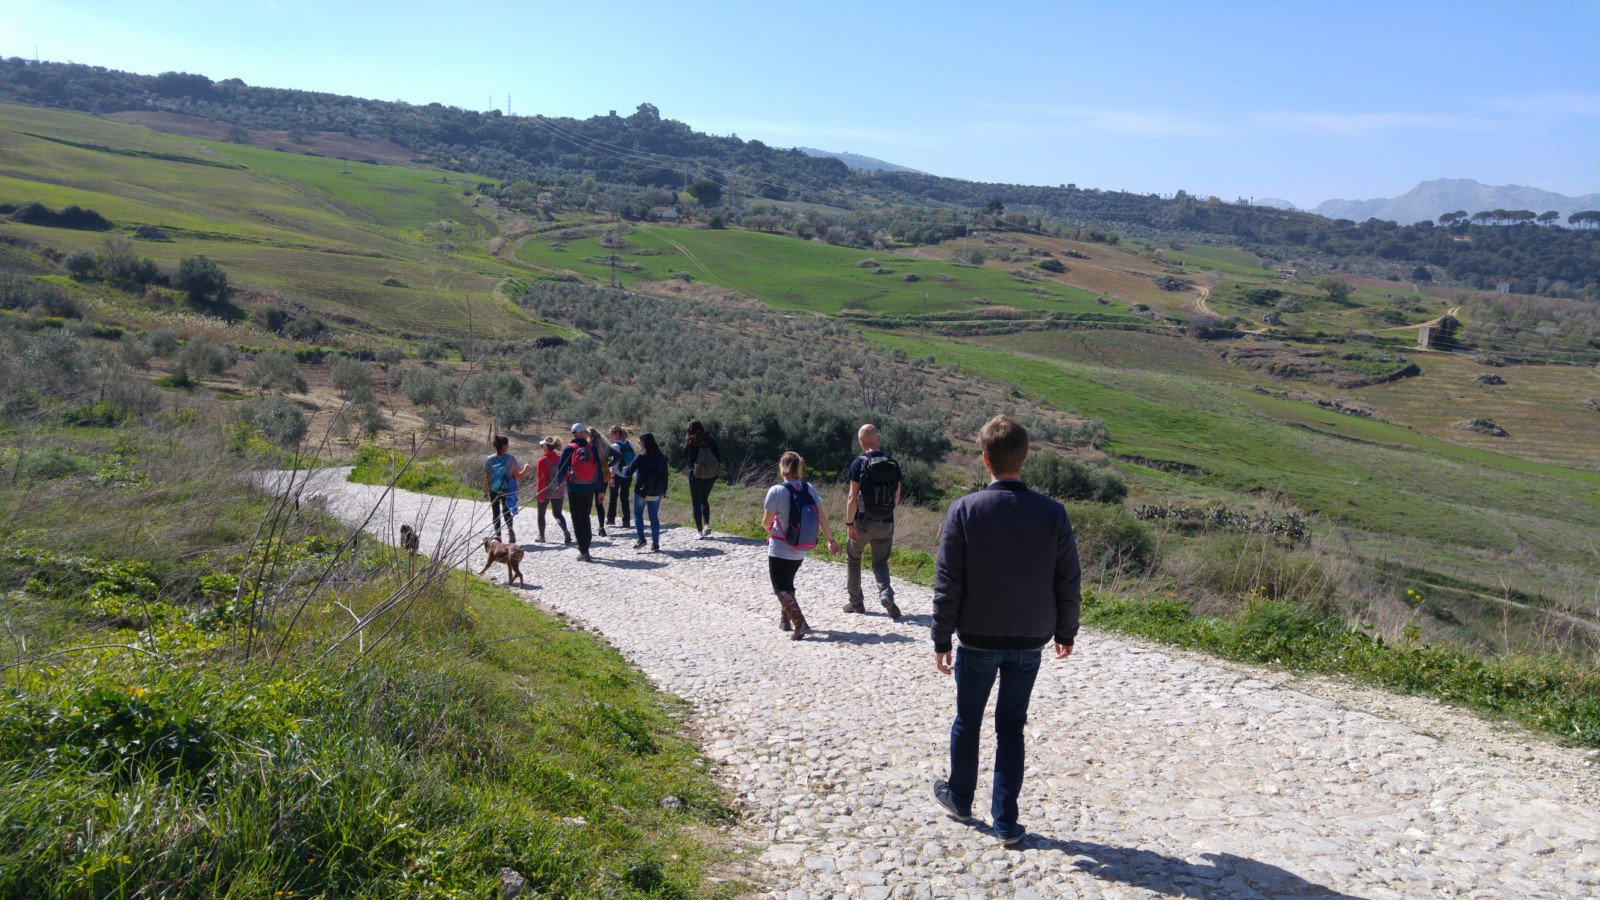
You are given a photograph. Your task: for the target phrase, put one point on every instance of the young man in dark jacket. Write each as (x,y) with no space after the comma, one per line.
(1006,581)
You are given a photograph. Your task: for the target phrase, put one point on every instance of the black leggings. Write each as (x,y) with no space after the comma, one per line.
(782,572)
(700,500)
(497,504)
(621,494)
(554,505)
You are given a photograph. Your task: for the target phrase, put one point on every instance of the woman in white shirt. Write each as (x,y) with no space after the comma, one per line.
(793,518)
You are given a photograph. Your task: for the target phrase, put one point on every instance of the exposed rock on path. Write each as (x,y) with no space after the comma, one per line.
(1149,773)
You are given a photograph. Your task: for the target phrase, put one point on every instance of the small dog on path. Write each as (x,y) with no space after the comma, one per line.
(410,539)
(500,552)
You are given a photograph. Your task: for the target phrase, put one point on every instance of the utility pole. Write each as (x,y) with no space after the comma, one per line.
(508,104)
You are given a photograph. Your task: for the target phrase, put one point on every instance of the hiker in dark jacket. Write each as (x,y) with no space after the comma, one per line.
(1006,582)
(649,472)
(581,487)
(704,467)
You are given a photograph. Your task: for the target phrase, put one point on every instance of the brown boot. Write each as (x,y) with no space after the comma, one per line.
(791,611)
(783,621)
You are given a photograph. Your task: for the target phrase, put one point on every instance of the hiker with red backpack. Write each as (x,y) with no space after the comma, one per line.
(581,471)
(792,518)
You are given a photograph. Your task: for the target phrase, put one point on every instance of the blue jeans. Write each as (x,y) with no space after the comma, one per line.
(975,672)
(640,504)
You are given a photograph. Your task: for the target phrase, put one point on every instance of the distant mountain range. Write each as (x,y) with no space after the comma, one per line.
(1431,199)
(858,162)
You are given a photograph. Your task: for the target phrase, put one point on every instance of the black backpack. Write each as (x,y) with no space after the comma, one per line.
(880,481)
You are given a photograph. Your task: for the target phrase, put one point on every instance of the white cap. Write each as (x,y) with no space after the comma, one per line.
(579,428)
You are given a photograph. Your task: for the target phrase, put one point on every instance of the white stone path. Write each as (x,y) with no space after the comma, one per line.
(1149,774)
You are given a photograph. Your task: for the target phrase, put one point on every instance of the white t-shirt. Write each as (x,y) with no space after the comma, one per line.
(778,503)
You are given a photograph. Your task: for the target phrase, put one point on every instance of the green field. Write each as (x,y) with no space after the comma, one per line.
(1365,475)
(322,233)
(1223,259)
(807,275)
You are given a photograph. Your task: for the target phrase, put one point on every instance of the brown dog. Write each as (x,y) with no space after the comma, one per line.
(510,554)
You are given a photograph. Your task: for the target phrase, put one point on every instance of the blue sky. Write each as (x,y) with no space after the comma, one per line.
(1305,102)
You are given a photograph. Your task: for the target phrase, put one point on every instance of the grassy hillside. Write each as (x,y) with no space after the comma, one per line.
(811,276)
(326,234)
(1409,492)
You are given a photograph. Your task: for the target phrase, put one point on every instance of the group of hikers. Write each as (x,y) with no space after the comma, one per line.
(1006,582)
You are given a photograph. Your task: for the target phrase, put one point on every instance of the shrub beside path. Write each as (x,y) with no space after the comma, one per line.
(1149,773)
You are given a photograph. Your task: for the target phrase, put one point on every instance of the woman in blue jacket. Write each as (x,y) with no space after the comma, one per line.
(649,471)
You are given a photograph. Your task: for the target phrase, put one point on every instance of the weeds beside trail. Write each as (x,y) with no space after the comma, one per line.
(165,729)
(1554,695)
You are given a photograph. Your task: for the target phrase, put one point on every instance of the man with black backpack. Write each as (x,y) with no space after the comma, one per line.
(869,515)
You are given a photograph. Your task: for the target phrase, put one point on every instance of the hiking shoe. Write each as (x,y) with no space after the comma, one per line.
(566,539)
(584,557)
(655,548)
(942,794)
(892,610)
(639,544)
(706,531)
(855,608)
(1011,838)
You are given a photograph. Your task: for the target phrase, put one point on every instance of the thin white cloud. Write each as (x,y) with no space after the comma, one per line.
(1545,104)
(1121,122)
(1370,124)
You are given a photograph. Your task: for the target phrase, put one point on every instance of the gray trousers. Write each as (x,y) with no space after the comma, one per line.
(880,535)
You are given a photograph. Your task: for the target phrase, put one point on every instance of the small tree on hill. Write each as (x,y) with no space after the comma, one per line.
(706,192)
(275,371)
(203,280)
(1337,289)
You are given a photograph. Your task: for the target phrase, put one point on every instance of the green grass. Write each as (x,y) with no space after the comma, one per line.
(789,273)
(1223,259)
(1359,473)
(479,734)
(380,466)
(323,233)
(1558,697)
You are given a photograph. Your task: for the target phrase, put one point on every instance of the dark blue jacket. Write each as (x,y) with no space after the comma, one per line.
(1007,574)
(651,469)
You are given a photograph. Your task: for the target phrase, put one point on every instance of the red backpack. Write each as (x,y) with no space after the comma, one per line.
(585,467)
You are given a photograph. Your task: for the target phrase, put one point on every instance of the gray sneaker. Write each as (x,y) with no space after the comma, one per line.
(1011,838)
(941,793)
